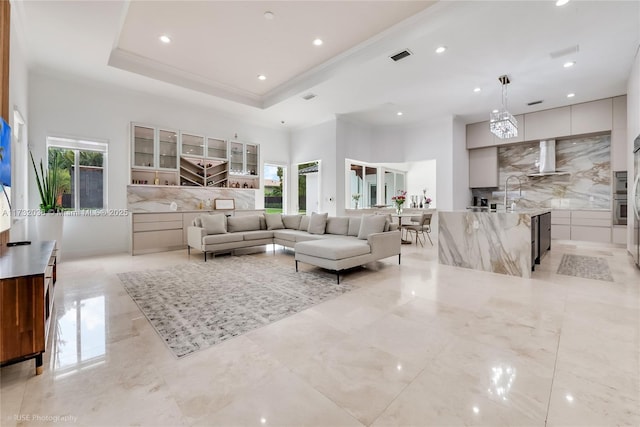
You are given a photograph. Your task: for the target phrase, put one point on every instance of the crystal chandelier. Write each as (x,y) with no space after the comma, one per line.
(502,123)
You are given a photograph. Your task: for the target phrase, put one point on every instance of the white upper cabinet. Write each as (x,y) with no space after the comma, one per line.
(483,167)
(545,124)
(590,117)
(479,135)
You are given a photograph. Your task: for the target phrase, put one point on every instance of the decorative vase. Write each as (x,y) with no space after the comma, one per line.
(356,205)
(399,209)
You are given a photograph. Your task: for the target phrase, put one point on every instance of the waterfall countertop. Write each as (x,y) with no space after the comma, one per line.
(524,211)
(498,242)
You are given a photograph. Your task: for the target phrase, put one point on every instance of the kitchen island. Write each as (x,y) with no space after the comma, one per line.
(500,242)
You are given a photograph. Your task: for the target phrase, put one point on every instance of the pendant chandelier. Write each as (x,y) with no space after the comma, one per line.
(502,123)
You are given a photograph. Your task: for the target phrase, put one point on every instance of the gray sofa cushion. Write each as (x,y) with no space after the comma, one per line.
(318,223)
(338,225)
(292,221)
(257,235)
(304,223)
(333,248)
(263,222)
(371,224)
(214,224)
(274,221)
(243,223)
(354,226)
(289,235)
(214,239)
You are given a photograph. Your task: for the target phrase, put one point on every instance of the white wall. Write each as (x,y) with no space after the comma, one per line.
(18,100)
(460,167)
(87,109)
(316,143)
(429,141)
(633,130)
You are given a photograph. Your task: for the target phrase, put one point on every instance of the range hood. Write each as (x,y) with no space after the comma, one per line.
(547,160)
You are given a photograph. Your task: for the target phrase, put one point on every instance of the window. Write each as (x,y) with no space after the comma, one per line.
(83,168)
(275,190)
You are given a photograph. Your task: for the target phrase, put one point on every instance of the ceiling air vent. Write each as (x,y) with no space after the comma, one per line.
(309,96)
(564,52)
(401,55)
(534,103)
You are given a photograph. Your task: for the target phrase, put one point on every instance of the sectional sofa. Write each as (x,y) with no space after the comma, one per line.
(334,243)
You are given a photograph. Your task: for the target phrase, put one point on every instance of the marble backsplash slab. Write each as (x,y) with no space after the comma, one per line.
(141,198)
(586,186)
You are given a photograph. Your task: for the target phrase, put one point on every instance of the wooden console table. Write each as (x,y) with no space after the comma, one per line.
(27,280)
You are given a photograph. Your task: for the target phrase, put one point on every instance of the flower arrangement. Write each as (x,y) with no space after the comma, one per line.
(428,200)
(399,199)
(356,198)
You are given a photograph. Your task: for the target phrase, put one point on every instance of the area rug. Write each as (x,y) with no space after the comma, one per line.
(196,305)
(588,267)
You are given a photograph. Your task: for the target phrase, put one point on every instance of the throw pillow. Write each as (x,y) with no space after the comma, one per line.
(338,225)
(263,223)
(304,223)
(214,224)
(274,221)
(243,223)
(317,223)
(371,224)
(291,221)
(354,226)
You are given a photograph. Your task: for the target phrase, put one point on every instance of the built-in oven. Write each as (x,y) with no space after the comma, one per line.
(620,209)
(620,182)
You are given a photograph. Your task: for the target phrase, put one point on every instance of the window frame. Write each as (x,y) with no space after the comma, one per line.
(77,145)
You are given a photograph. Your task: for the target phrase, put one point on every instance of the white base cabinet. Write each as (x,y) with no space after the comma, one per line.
(589,226)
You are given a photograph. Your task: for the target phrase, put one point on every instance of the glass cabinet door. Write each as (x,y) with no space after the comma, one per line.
(236,158)
(252,159)
(192,145)
(167,149)
(216,148)
(143,147)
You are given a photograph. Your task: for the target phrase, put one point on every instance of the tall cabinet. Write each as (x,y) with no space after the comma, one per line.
(243,165)
(154,157)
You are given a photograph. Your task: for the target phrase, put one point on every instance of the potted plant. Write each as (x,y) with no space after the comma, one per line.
(49,184)
(50,222)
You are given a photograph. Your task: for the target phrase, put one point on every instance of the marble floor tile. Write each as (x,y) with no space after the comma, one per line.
(416,344)
(282,399)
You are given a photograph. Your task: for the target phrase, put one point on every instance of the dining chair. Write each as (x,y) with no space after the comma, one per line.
(421,227)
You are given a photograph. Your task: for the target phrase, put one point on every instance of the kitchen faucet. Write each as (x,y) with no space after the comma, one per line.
(506,184)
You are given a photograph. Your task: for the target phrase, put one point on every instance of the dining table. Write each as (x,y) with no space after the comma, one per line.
(400,218)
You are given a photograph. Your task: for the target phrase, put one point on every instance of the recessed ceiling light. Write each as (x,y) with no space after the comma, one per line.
(269,15)
(317,42)
(477,90)
(569,64)
(561,2)
(441,49)
(165,38)
(262,77)
(399,113)
(571,95)
(494,111)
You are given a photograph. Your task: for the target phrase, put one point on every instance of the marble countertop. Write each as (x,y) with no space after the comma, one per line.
(531,212)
